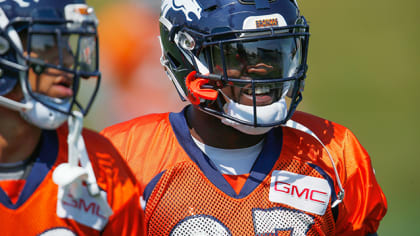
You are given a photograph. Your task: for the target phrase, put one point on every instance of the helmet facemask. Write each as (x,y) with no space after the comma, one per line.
(258,73)
(57,55)
(247,69)
(67,49)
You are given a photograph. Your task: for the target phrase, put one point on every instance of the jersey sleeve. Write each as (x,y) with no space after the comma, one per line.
(127,220)
(145,143)
(364,203)
(114,176)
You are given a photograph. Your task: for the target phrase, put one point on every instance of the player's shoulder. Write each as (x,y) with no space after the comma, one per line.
(105,159)
(313,120)
(150,121)
(102,152)
(90,136)
(325,129)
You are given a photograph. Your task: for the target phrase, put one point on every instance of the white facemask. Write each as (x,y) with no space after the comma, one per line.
(265,115)
(269,114)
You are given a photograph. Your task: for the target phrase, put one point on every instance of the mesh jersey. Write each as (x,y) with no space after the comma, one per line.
(185,194)
(34,213)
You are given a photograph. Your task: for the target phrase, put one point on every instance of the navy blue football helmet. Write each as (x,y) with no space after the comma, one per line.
(252,49)
(37,36)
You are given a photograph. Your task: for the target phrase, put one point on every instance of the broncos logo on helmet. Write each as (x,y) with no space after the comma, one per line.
(186,6)
(22,3)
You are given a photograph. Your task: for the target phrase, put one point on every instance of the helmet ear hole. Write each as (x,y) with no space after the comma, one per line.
(4,45)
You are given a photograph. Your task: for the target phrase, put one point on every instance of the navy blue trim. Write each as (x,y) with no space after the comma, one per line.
(262,167)
(265,161)
(373,234)
(328,178)
(42,165)
(182,133)
(151,185)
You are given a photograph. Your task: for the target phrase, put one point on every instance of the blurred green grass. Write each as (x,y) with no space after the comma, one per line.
(364,74)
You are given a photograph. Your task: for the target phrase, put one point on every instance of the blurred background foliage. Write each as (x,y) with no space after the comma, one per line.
(363,73)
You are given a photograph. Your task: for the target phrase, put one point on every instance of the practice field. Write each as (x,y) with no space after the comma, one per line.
(364,73)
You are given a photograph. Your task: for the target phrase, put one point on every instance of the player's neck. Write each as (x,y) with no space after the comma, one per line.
(211,131)
(18,139)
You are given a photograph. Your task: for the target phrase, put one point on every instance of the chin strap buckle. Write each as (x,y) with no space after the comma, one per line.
(195,92)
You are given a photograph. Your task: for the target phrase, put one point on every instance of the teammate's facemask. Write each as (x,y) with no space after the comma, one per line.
(51,46)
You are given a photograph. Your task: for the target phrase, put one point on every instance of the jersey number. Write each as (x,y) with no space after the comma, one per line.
(266,222)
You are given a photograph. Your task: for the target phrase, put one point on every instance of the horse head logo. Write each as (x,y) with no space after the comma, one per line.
(186,6)
(21,3)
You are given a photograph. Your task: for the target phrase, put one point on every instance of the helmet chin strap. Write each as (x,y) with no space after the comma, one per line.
(35,113)
(298,126)
(69,176)
(42,116)
(271,113)
(245,112)
(268,114)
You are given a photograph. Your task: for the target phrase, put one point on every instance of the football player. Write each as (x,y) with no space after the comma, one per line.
(240,160)
(53,180)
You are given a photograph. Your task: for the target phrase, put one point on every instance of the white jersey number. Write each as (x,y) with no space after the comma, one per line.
(272,221)
(266,222)
(200,225)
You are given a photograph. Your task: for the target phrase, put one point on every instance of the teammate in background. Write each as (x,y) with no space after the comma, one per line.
(53,180)
(240,160)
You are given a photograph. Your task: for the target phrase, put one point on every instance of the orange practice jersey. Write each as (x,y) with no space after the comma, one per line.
(289,190)
(35,211)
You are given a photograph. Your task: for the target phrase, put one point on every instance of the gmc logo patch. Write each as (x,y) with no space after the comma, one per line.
(303,192)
